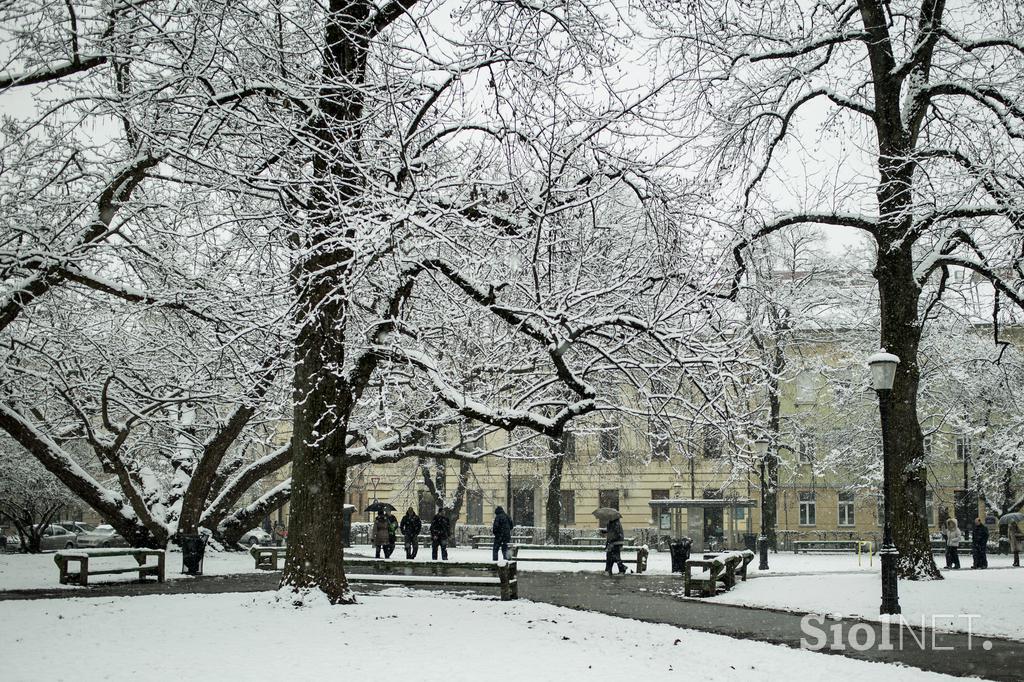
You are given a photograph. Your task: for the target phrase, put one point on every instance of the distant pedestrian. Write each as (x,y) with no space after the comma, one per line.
(614,539)
(953,537)
(379,533)
(392,535)
(502,531)
(410,527)
(979,544)
(440,529)
(1013,531)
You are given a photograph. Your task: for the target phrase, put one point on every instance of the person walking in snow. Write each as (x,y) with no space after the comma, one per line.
(979,544)
(502,531)
(1016,536)
(392,535)
(440,529)
(379,533)
(953,537)
(615,538)
(410,528)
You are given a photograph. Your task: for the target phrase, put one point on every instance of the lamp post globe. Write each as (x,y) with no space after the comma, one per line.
(883,375)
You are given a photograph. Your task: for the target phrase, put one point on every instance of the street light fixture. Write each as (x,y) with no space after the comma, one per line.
(761,448)
(883,375)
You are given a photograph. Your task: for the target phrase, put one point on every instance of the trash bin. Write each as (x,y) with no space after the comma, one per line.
(750,542)
(192,549)
(346,525)
(680,552)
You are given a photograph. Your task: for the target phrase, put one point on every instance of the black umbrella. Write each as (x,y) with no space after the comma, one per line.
(606,514)
(377,506)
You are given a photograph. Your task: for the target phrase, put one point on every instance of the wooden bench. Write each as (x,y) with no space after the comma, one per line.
(82,557)
(487,541)
(597,541)
(816,546)
(515,553)
(267,557)
(503,574)
(722,568)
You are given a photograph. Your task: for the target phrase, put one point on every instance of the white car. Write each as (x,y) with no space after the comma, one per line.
(102,536)
(256,537)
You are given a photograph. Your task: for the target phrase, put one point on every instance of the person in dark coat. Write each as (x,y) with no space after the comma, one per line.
(410,527)
(379,533)
(440,529)
(979,544)
(615,538)
(502,531)
(392,535)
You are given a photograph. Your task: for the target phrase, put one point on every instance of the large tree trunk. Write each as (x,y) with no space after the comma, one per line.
(769,503)
(323,396)
(900,335)
(553,507)
(899,295)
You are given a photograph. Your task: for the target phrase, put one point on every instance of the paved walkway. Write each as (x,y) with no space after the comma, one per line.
(656,599)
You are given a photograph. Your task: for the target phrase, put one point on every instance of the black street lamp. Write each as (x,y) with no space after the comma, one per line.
(883,374)
(761,446)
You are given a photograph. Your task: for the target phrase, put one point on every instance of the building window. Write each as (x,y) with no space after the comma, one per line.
(739,513)
(807,515)
(568,507)
(660,516)
(426,506)
(929,508)
(659,445)
(846,517)
(569,445)
(806,387)
(805,449)
(963,448)
(712,443)
(608,498)
(609,441)
(474,507)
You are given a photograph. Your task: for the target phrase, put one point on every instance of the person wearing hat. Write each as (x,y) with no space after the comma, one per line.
(979,544)
(502,531)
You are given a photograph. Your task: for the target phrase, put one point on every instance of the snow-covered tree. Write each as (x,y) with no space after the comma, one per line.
(899,120)
(30,496)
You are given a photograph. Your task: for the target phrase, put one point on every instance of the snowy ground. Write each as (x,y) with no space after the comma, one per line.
(414,637)
(844,587)
(37,571)
(995,595)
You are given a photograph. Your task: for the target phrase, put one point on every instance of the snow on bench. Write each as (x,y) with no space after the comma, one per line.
(515,552)
(81,557)
(719,567)
(503,573)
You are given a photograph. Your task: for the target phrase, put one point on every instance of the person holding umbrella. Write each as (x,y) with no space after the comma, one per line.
(614,539)
(379,534)
(1014,522)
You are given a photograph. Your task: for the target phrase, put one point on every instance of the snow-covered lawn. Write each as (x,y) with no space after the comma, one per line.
(996,596)
(830,584)
(414,637)
(37,571)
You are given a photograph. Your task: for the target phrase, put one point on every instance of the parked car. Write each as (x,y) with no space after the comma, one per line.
(101,536)
(77,527)
(257,536)
(57,537)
